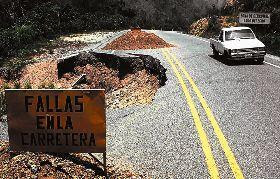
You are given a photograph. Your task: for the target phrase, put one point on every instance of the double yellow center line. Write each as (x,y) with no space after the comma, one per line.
(210,161)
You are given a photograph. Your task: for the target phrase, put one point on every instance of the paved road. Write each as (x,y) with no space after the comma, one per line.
(212,118)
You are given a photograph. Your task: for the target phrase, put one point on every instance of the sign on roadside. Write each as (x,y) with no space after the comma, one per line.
(63,121)
(254,18)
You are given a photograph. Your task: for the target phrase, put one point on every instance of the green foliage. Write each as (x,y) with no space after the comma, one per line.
(44,18)
(3,106)
(272,42)
(42,85)
(15,38)
(213,24)
(27,85)
(49,85)
(49,19)
(6,86)
(11,69)
(17,85)
(231,19)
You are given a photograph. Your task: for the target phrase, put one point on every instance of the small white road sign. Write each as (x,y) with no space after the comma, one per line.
(254,18)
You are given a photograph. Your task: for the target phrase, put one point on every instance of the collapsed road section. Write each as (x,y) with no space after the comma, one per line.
(126,80)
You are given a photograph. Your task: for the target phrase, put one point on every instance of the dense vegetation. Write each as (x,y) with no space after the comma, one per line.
(26,21)
(23,22)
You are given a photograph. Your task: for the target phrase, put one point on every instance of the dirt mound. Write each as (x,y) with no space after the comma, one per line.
(137,39)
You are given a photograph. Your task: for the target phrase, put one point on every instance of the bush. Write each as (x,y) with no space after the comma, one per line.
(49,85)
(14,38)
(17,85)
(3,106)
(27,85)
(11,69)
(272,42)
(213,24)
(3,102)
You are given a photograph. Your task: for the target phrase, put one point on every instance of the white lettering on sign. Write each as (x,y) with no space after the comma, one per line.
(254,18)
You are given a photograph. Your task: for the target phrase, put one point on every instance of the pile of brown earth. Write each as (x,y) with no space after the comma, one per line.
(51,166)
(137,39)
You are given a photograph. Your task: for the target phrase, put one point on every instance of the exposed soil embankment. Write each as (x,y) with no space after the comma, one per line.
(137,39)
(126,80)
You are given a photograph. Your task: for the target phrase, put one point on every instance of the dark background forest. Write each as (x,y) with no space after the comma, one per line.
(23,22)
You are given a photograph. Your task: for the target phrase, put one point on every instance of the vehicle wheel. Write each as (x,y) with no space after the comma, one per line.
(215,52)
(226,55)
(260,60)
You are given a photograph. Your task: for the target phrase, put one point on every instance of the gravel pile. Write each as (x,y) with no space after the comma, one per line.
(137,39)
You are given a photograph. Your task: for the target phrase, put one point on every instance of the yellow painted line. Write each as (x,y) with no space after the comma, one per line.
(210,161)
(223,141)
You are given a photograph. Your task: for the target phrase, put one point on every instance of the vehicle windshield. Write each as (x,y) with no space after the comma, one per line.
(240,34)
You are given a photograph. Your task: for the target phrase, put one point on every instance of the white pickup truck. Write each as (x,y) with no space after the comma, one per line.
(238,43)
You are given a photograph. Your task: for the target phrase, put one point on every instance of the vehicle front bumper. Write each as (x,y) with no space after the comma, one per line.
(247,55)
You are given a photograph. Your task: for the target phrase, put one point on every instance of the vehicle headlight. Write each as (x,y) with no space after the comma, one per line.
(234,50)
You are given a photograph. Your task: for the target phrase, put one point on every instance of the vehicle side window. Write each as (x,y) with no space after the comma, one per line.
(221,36)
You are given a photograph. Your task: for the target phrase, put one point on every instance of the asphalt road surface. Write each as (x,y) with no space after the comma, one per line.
(213,118)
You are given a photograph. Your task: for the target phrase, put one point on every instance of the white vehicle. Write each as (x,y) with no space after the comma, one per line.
(238,43)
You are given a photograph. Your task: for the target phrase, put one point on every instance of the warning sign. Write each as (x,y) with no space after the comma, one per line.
(254,18)
(57,120)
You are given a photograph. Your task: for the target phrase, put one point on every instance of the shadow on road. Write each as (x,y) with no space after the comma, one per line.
(228,62)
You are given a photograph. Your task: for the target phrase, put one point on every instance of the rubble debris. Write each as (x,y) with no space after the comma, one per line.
(137,39)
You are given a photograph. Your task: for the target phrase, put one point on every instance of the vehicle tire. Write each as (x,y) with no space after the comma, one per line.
(225,55)
(215,52)
(260,60)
